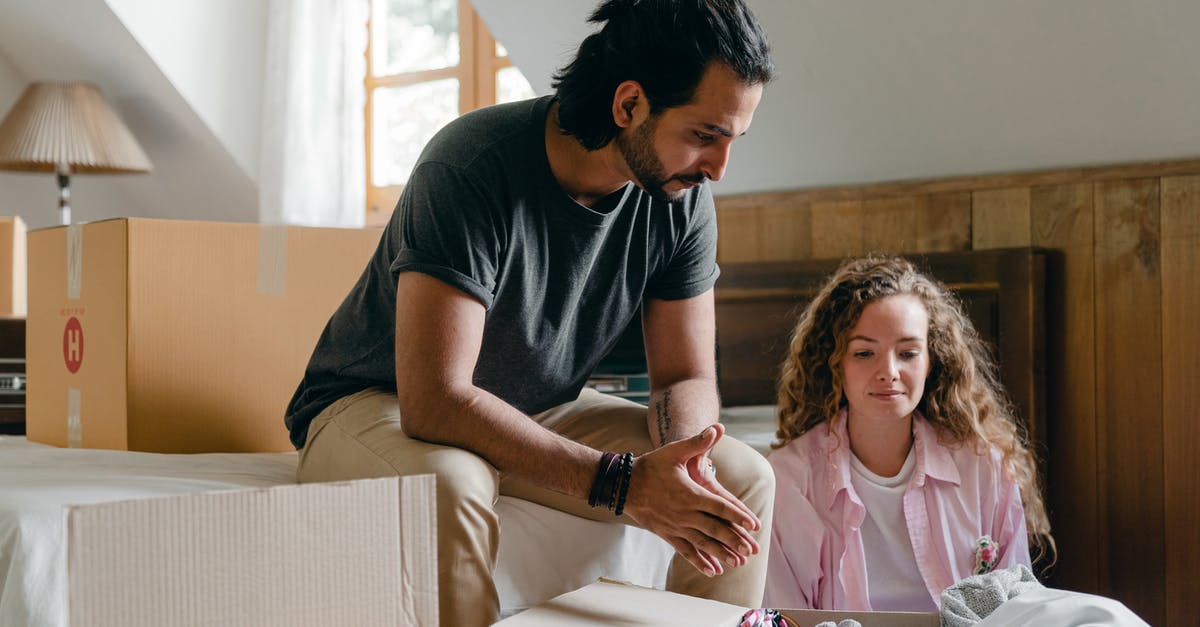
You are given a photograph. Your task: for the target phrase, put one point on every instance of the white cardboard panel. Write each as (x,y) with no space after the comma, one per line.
(608,602)
(873,619)
(350,553)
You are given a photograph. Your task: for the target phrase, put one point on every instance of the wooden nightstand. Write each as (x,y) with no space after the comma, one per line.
(12,376)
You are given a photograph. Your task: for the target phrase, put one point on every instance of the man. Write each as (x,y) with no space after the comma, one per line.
(525,241)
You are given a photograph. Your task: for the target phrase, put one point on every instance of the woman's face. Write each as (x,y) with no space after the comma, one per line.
(887,359)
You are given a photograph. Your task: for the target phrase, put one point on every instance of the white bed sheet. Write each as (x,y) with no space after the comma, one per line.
(752,424)
(36,481)
(542,552)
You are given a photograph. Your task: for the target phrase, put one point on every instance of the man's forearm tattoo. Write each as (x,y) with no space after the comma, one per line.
(662,410)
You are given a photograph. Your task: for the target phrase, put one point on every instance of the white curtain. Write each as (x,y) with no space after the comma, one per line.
(312,168)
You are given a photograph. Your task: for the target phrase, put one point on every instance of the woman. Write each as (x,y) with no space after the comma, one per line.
(900,468)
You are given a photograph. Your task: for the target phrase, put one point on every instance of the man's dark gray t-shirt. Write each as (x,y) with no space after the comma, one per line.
(483,212)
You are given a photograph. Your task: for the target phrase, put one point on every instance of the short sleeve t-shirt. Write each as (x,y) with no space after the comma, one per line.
(483,212)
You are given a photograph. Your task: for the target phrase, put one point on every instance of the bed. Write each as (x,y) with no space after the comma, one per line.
(37,480)
(756,307)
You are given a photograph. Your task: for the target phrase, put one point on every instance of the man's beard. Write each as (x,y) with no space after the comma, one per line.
(638,151)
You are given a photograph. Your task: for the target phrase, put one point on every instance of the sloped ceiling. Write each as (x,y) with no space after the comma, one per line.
(213,52)
(195,177)
(866,91)
(869,90)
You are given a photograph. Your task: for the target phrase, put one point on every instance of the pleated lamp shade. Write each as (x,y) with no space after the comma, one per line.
(67,128)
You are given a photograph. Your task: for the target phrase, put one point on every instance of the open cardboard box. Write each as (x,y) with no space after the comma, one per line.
(348,553)
(608,602)
(12,266)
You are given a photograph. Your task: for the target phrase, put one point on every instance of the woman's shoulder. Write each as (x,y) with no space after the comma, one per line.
(803,459)
(977,461)
(802,447)
(971,451)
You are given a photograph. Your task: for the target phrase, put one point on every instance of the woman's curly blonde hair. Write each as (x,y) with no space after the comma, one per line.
(963,397)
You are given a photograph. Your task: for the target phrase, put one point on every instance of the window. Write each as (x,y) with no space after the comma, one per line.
(428,61)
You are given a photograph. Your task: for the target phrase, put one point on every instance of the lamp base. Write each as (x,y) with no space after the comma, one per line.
(64,196)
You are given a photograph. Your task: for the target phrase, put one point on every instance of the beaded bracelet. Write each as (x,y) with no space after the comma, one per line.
(627,464)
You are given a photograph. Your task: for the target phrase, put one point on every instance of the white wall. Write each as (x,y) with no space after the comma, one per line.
(866,90)
(195,174)
(21,193)
(213,52)
(875,91)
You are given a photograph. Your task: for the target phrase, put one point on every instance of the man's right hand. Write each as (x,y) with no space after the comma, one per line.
(707,527)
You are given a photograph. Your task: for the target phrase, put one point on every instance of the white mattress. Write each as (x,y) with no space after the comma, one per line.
(752,424)
(37,480)
(542,553)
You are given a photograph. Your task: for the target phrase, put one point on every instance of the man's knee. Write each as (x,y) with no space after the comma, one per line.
(462,476)
(744,472)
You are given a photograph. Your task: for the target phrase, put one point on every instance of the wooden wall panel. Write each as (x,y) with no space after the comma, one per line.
(1061,219)
(738,234)
(1000,218)
(926,187)
(944,224)
(837,229)
(1129,392)
(890,224)
(1121,358)
(785,233)
(754,232)
(1181,394)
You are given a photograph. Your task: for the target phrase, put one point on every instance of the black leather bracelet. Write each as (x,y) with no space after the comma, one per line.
(601,493)
(614,481)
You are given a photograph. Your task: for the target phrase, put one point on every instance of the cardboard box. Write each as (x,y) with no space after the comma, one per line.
(609,602)
(351,553)
(175,336)
(805,618)
(12,266)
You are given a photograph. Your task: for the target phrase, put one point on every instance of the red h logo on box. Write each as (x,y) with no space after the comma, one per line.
(73,345)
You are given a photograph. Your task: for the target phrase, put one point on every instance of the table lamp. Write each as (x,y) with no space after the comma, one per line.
(67,128)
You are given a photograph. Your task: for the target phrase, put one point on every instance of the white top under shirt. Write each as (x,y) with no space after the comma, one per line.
(894,582)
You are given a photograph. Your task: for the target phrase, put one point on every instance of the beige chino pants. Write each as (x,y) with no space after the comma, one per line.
(359,436)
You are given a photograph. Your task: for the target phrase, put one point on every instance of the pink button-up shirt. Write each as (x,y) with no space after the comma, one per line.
(955,497)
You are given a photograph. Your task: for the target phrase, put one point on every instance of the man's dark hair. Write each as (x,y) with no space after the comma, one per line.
(664,45)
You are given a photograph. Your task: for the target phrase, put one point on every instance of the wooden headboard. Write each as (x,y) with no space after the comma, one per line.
(758,304)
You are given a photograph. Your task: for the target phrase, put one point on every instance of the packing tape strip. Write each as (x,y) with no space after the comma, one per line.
(74,421)
(74,260)
(272,259)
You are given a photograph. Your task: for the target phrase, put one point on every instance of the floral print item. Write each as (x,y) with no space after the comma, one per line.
(987,554)
(762,618)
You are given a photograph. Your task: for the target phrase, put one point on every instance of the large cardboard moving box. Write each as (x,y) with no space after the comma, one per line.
(176,336)
(12,266)
(354,553)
